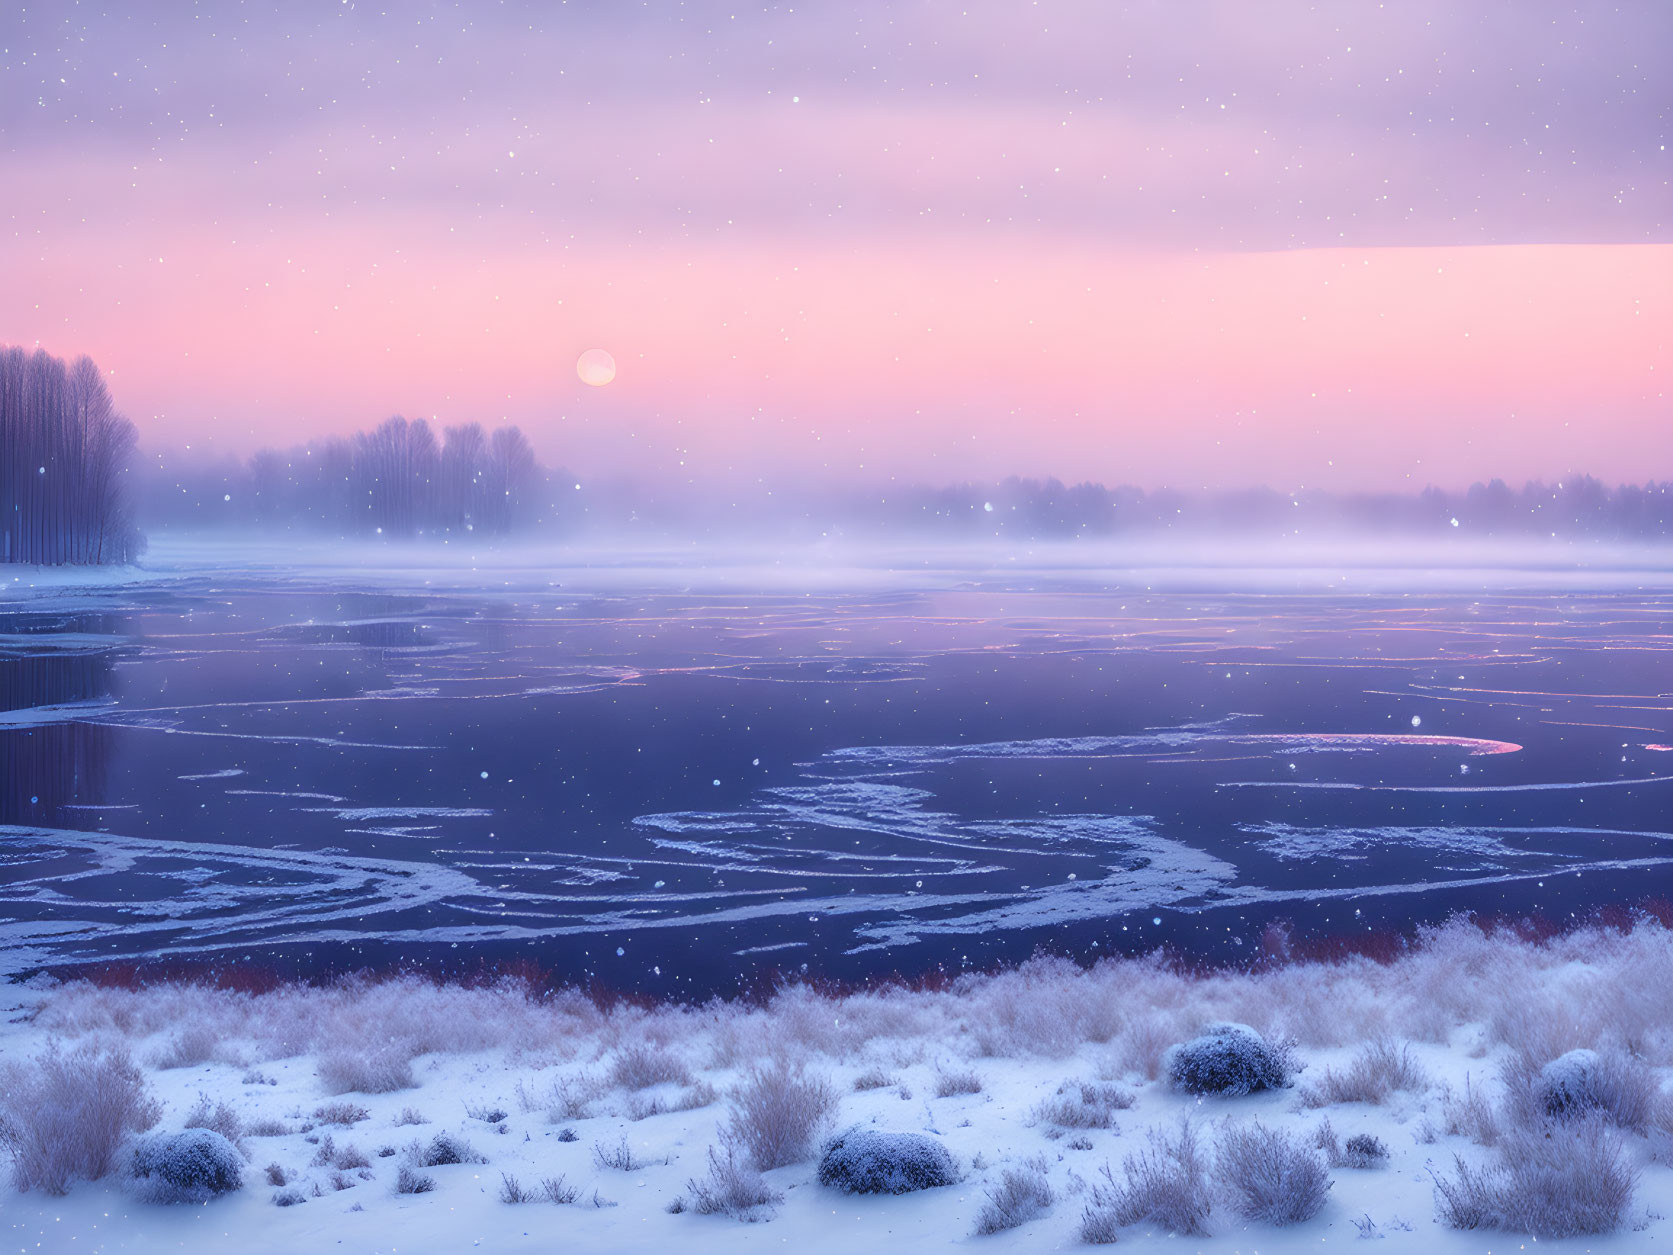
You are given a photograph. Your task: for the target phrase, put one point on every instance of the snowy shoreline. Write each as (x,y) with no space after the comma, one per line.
(1043,1074)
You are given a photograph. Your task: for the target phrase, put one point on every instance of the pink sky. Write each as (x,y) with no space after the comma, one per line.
(1069,271)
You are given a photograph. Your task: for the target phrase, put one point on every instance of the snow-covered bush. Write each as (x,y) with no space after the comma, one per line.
(1098,1226)
(1568,1084)
(641,1065)
(566,1098)
(1659,1131)
(1565,1181)
(344,1113)
(1364,1150)
(693,1097)
(379,1070)
(514,1191)
(444,1148)
(64,1115)
(1325,1139)
(1377,1071)
(868,1161)
(1587,1082)
(192,1045)
(409,1180)
(1269,1175)
(952,1082)
(779,1113)
(732,1188)
(1022,1194)
(1165,1185)
(343,1158)
(558,1191)
(189,1167)
(1230,1059)
(217,1116)
(1048,1005)
(619,1157)
(1084,1105)
(1470,1114)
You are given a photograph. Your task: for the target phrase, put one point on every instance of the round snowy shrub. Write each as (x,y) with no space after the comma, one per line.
(1581,1082)
(189,1167)
(1364,1150)
(446,1148)
(1568,1084)
(1612,1084)
(865,1161)
(1229,1059)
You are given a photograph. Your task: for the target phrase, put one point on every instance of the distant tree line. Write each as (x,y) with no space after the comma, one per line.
(396,480)
(64,460)
(1573,508)
(399,480)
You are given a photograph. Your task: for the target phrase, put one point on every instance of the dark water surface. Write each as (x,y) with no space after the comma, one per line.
(676,792)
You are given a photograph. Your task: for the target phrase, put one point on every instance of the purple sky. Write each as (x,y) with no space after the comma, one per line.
(1166,243)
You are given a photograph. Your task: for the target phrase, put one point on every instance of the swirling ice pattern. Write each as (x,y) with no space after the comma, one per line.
(846,843)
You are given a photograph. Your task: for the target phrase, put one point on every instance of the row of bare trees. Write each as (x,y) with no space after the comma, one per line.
(1576,507)
(65,455)
(395,480)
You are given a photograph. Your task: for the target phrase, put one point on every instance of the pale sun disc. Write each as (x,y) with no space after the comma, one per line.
(596,368)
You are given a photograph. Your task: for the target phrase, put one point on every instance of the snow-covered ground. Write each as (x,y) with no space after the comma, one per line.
(1463,1006)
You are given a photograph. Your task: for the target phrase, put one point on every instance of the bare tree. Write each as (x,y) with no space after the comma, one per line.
(65,455)
(512,474)
(464,463)
(395,470)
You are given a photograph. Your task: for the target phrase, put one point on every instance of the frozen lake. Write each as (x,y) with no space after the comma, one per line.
(675,791)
